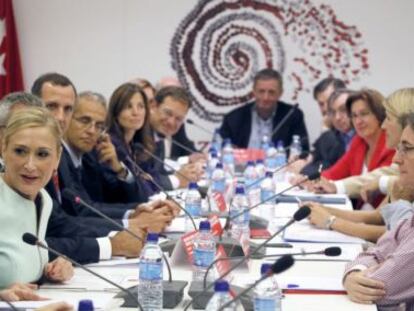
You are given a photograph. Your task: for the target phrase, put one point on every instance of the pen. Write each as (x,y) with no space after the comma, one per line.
(292,286)
(282,245)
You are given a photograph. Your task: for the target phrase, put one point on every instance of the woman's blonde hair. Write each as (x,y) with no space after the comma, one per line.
(31,117)
(400,102)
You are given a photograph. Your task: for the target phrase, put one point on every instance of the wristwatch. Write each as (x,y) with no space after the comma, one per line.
(329,222)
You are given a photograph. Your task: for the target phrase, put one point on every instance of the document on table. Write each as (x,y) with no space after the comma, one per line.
(348,251)
(116,261)
(178,225)
(87,282)
(305,232)
(310,283)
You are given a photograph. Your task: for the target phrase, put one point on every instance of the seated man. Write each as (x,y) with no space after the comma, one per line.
(166,119)
(382,274)
(247,125)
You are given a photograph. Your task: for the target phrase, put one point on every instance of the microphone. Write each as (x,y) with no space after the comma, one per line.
(189,121)
(285,118)
(33,240)
(312,176)
(329,251)
(280,265)
(300,214)
(173,290)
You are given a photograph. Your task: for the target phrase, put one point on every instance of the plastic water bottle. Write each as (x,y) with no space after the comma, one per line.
(85,305)
(212,162)
(267,190)
(260,168)
(204,252)
(216,141)
(218,179)
(150,275)
(267,294)
(240,229)
(250,174)
(265,142)
(192,205)
(228,156)
(295,147)
(271,158)
(281,160)
(220,297)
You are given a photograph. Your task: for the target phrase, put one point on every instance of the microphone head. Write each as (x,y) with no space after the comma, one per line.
(282,264)
(189,121)
(70,195)
(303,155)
(301,213)
(29,238)
(333,251)
(315,175)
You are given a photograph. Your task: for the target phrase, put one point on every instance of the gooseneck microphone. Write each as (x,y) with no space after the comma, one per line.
(285,118)
(300,214)
(280,265)
(33,240)
(310,177)
(189,121)
(329,251)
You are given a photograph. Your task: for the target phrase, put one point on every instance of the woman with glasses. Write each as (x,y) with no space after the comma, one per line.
(370,225)
(31,151)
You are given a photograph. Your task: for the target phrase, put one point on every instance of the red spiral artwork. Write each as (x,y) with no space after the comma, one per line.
(220,45)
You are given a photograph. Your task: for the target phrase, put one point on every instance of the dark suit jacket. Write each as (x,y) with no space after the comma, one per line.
(328,148)
(75,237)
(182,138)
(237,126)
(70,177)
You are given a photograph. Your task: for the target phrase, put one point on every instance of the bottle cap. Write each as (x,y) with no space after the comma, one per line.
(221,286)
(259,161)
(239,189)
(269,174)
(85,305)
(265,267)
(204,225)
(250,163)
(152,237)
(219,165)
(193,186)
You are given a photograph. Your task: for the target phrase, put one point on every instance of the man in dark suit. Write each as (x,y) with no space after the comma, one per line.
(246,126)
(167,119)
(83,238)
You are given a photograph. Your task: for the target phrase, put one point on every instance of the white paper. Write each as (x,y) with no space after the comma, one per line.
(305,232)
(87,282)
(178,224)
(116,261)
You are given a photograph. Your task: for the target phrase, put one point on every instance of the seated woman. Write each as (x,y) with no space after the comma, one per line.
(370,225)
(31,151)
(367,149)
(128,123)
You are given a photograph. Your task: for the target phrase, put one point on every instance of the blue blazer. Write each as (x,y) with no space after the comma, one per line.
(237,125)
(91,180)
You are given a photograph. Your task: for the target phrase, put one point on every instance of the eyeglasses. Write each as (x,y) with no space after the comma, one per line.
(168,113)
(403,150)
(362,115)
(87,122)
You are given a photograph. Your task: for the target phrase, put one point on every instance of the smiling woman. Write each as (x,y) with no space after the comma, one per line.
(31,151)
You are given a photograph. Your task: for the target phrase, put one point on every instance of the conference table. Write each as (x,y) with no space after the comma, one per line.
(316,270)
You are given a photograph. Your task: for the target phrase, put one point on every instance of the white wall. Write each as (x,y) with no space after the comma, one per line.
(100,44)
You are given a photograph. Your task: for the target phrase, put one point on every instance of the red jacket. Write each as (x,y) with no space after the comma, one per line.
(352,161)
